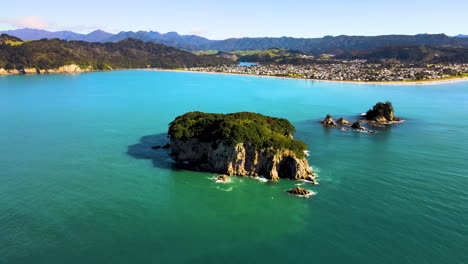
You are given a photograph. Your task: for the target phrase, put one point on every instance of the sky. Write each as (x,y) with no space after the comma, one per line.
(241,18)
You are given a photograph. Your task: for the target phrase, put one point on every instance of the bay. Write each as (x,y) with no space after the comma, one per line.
(80,184)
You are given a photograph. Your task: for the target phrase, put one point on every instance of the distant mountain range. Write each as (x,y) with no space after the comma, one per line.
(188,42)
(35,34)
(326,45)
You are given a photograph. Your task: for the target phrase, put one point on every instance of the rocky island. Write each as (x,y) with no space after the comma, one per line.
(382,113)
(243,144)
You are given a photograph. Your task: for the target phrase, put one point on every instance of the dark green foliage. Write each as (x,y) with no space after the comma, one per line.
(412,54)
(270,56)
(403,54)
(263,132)
(381,110)
(128,53)
(4,38)
(334,45)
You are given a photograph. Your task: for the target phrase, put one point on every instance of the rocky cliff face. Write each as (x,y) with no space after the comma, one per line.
(64,69)
(240,159)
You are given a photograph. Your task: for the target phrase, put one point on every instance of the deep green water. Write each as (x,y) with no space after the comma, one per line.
(79,184)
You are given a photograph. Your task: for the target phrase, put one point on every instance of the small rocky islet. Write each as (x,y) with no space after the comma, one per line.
(299,191)
(380,115)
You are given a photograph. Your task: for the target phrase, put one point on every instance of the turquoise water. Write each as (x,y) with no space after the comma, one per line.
(247,64)
(79,184)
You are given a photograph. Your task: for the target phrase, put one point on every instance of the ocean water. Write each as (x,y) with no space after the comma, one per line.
(80,184)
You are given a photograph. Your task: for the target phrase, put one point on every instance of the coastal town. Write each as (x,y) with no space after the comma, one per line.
(348,70)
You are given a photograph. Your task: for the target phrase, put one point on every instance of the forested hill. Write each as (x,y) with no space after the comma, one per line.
(7,39)
(411,54)
(334,45)
(129,53)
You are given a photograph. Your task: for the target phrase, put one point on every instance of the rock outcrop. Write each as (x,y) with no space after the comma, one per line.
(222,179)
(341,121)
(298,191)
(358,127)
(328,121)
(241,159)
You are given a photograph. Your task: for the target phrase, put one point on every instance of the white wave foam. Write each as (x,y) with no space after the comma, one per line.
(225,189)
(261,179)
(221,181)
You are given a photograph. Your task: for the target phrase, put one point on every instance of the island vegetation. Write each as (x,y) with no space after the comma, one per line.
(263,132)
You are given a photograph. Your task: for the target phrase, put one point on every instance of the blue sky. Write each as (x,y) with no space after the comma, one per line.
(242,18)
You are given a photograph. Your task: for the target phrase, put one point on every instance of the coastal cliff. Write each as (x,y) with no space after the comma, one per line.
(244,144)
(72,68)
(240,159)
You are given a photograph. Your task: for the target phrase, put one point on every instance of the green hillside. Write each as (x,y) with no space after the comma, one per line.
(129,53)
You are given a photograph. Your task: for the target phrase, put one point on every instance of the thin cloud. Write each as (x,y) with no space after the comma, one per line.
(199,31)
(27,22)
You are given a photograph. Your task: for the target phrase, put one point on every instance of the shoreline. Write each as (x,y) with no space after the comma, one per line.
(420,82)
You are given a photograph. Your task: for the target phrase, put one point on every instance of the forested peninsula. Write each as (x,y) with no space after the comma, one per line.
(54,55)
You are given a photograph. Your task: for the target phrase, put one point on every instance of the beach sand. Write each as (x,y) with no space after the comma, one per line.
(423,82)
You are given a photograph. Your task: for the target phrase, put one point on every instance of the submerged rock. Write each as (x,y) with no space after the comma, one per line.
(244,144)
(312,180)
(358,127)
(328,121)
(300,192)
(222,179)
(166,146)
(162,147)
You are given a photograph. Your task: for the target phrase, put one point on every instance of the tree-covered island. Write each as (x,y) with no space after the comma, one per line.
(246,144)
